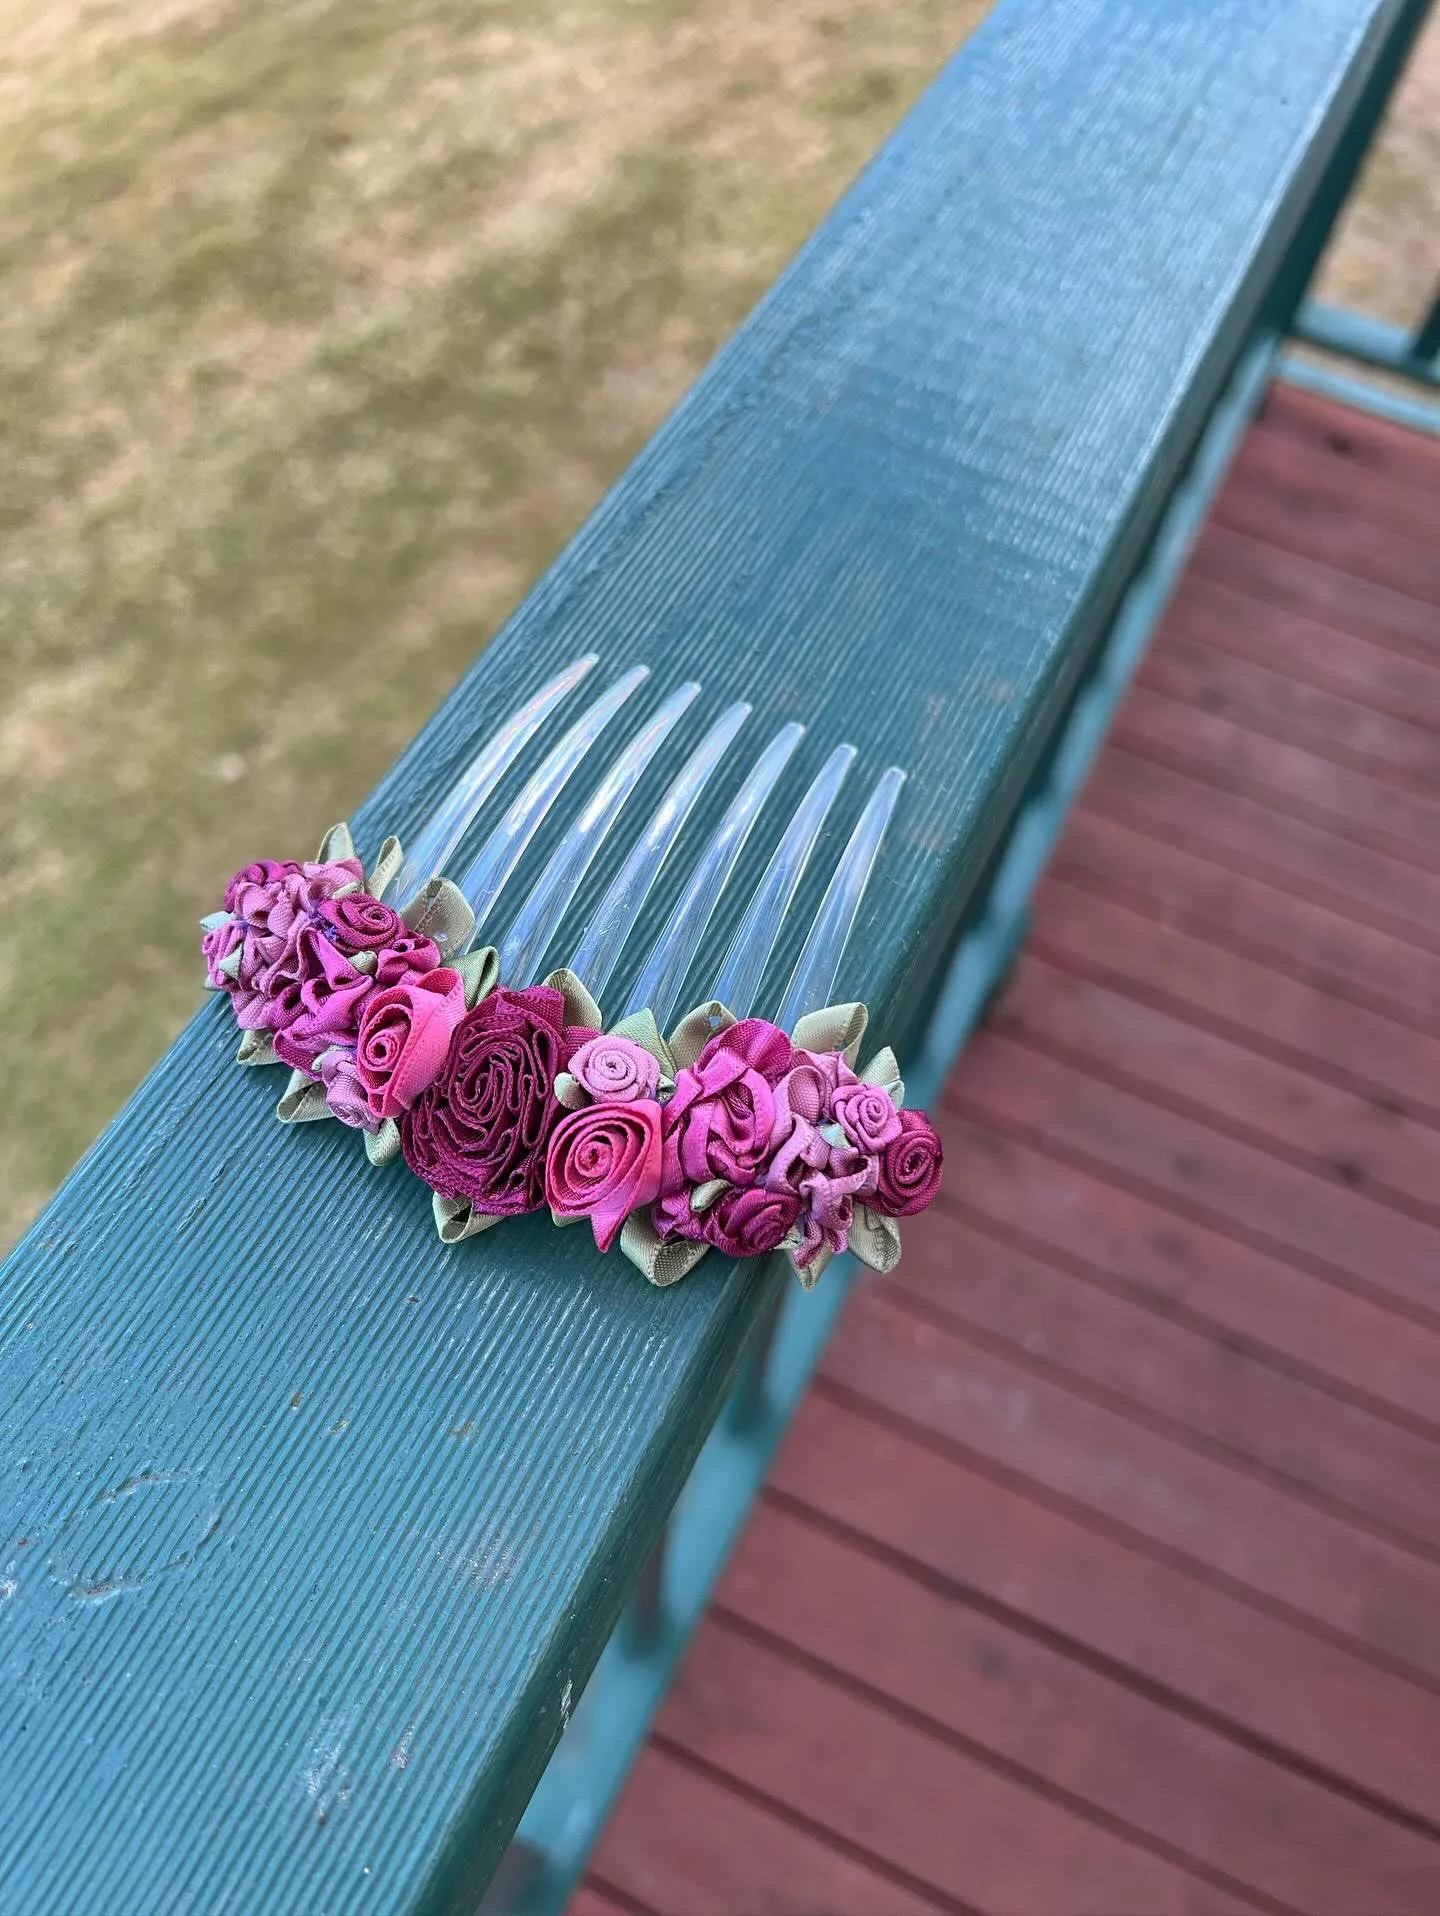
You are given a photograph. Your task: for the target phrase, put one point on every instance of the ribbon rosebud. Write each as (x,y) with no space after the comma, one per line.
(604,1163)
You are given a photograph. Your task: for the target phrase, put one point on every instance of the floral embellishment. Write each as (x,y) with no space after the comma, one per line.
(481,1129)
(403,1038)
(910,1168)
(609,1066)
(729,1135)
(604,1163)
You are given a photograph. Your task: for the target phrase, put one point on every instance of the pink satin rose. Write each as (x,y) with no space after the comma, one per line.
(720,1121)
(604,1163)
(751,1222)
(344,1090)
(403,1038)
(615,1068)
(867,1116)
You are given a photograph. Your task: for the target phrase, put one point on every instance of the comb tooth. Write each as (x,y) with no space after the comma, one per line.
(674,950)
(616,915)
(744,966)
(503,850)
(814,976)
(539,917)
(435,842)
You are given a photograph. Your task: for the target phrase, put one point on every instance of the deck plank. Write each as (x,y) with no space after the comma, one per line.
(1101,1568)
(1181,1268)
(1192,668)
(1222,1521)
(1186,1379)
(1156,962)
(1243,912)
(1164,1778)
(1339,1135)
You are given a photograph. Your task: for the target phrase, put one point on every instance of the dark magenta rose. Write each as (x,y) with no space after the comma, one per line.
(910,1168)
(719,1122)
(315,1001)
(671,1213)
(404,1038)
(603,1163)
(751,1222)
(358,922)
(481,1129)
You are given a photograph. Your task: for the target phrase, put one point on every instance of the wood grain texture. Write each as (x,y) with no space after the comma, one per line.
(1122,1493)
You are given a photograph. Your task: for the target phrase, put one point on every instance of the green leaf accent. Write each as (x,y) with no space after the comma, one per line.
(836,1028)
(580,1007)
(256,1047)
(383,1145)
(303,1101)
(455,1219)
(663,1264)
(696,1029)
(442,912)
(874,1239)
(337,844)
(480,971)
(388,861)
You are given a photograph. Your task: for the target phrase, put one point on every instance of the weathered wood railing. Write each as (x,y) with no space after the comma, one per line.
(315,1530)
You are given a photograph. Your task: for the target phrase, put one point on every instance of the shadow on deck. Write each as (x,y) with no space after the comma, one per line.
(1101,1570)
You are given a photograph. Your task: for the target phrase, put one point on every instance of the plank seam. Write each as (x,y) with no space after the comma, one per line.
(1086,1390)
(1080,1270)
(897,1708)
(1245,1037)
(850,1398)
(940,1583)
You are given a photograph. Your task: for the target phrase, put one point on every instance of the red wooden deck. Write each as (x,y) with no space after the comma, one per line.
(1101,1572)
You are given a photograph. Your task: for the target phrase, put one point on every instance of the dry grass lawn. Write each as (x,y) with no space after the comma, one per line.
(326,321)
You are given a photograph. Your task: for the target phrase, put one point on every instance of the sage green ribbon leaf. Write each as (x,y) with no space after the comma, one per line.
(229,965)
(213,920)
(696,1029)
(563,1223)
(256,1047)
(570,1094)
(303,1101)
(810,1274)
(441,911)
(388,861)
(383,1145)
(336,845)
(884,1070)
(662,1263)
(836,1028)
(640,1028)
(704,1195)
(480,973)
(874,1239)
(365,961)
(455,1218)
(580,1007)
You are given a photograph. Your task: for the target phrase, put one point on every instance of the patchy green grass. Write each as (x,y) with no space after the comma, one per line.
(326,322)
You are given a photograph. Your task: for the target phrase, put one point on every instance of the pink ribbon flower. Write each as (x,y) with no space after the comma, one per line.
(404,1036)
(604,1163)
